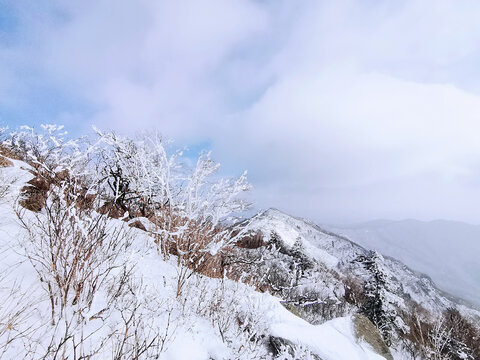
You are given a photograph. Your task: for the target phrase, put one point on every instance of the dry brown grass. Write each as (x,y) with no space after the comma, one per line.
(112,210)
(251,241)
(4,162)
(10,153)
(32,198)
(138,225)
(34,194)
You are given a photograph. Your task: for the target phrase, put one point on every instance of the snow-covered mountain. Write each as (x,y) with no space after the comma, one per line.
(211,318)
(338,264)
(137,263)
(448,251)
(337,252)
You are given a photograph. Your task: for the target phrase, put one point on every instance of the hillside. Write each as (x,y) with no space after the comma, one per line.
(117,251)
(337,252)
(445,250)
(200,324)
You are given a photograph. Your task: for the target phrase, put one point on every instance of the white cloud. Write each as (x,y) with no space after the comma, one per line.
(150,62)
(340,110)
(361,135)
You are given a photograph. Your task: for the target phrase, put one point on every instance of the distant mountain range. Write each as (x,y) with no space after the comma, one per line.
(448,251)
(337,251)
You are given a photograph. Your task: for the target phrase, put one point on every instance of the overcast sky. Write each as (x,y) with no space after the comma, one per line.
(341,110)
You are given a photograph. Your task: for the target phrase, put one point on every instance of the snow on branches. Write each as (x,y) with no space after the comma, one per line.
(381,302)
(80,254)
(48,150)
(186,209)
(140,177)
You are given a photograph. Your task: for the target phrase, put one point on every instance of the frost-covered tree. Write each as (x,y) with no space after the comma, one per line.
(136,174)
(140,173)
(48,150)
(187,208)
(76,252)
(453,337)
(381,303)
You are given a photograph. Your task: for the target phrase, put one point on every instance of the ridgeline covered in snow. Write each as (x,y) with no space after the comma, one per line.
(116,248)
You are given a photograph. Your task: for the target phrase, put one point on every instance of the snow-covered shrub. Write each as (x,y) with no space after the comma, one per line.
(137,174)
(53,158)
(48,150)
(448,335)
(74,252)
(17,310)
(232,311)
(72,249)
(451,336)
(187,209)
(142,323)
(5,185)
(466,336)
(286,350)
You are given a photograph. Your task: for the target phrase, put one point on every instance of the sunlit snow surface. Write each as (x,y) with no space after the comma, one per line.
(191,333)
(332,340)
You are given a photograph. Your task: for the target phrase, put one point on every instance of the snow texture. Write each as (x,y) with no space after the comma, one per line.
(212,319)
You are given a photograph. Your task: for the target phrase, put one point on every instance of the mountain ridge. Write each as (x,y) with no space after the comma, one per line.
(422,275)
(443,249)
(271,286)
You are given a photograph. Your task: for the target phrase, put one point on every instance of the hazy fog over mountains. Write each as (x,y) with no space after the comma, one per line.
(447,251)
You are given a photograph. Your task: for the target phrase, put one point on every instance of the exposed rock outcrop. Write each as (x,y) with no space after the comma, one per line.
(365,331)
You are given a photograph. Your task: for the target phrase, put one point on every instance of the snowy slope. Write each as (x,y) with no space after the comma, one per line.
(212,319)
(338,252)
(445,250)
(334,339)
